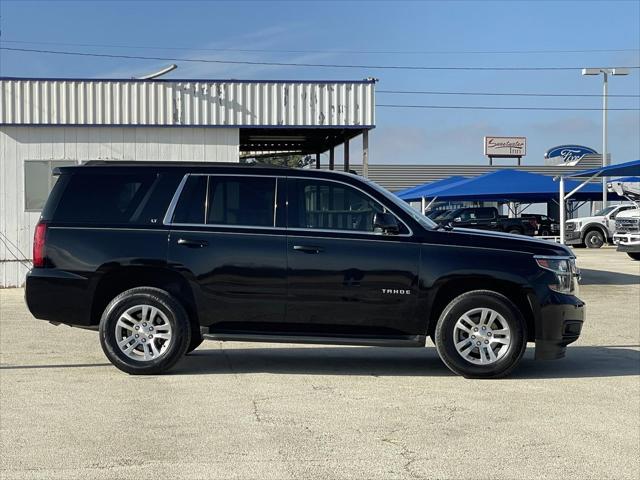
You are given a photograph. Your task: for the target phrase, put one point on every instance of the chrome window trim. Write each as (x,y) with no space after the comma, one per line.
(176,196)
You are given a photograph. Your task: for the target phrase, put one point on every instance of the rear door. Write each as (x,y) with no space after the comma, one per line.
(227,239)
(344,278)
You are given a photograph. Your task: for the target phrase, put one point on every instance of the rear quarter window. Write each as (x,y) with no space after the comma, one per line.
(113,198)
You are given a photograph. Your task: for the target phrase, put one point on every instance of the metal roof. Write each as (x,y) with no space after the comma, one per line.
(214,103)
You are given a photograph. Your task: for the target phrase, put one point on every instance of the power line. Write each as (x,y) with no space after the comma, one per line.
(338,51)
(500,94)
(292,64)
(470,107)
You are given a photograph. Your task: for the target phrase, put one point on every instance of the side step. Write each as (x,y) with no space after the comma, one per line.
(399,341)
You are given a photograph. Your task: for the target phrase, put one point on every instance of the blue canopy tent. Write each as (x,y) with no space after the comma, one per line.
(627,169)
(502,185)
(416,193)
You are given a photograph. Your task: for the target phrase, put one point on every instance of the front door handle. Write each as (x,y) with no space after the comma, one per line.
(307,249)
(186,242)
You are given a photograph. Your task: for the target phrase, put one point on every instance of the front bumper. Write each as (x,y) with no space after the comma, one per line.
(572,237)
(558,323)
(627,242)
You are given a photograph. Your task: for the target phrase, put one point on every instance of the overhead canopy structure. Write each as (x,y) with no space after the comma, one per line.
(627,169)
(423,191)
(503,185)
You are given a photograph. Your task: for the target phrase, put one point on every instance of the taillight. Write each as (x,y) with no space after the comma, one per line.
(38,244)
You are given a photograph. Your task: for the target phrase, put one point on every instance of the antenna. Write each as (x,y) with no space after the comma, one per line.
(159,73)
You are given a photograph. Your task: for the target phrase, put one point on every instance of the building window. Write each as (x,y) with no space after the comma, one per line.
(39,180)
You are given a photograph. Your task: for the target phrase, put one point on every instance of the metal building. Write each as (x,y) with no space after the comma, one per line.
(45,123)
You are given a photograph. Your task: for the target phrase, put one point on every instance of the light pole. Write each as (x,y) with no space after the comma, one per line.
(605,73)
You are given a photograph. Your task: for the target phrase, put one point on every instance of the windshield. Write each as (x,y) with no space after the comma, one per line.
(417,216)
(605,211)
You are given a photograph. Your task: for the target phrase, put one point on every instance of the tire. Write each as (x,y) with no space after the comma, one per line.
(545,233)
(515,231)
(509,326)
(594,239)
(166,320)
(634,255)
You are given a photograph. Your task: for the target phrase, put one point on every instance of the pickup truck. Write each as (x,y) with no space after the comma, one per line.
(627,234)
(594,231)
(487,218)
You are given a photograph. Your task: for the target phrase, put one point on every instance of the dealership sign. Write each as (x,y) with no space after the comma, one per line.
(505,146)
(569,153)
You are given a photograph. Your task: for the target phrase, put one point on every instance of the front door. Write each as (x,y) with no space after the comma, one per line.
(225,238)
(344,278)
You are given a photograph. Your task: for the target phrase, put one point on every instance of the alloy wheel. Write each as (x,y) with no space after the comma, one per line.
(143,333)
(482,336)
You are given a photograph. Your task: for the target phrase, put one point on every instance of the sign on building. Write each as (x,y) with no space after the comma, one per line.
(567,154)
(505,146)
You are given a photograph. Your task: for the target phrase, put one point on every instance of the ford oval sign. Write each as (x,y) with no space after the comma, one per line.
(569,153)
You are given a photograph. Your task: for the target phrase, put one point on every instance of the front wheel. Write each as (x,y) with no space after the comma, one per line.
(594,239)
(481,334)
(634,255)
(515,231)
(144,331)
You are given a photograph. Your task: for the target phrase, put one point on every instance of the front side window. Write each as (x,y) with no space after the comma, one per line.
(325,205)
(39,180)
(227,200)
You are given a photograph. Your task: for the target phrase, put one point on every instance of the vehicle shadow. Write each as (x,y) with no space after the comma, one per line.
(580,362)
(603,277)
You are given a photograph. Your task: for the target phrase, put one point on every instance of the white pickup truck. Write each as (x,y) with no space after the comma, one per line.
(627,234)
(596,230)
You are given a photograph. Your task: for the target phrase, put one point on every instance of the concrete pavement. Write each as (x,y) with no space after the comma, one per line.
(242,410)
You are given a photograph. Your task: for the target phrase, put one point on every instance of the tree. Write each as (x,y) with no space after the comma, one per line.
(288,160)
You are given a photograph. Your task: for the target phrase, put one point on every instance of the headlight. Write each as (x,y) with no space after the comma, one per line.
(566,272)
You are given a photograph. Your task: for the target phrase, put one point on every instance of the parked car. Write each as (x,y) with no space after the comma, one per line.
(545,226)
(487,218)
(596,230)
(159,256)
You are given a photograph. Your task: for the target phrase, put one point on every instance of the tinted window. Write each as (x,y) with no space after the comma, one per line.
(104,198)
(190,206)
(484,213)
(330,206)
(247,201)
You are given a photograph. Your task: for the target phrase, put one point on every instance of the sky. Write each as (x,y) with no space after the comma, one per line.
(425,33)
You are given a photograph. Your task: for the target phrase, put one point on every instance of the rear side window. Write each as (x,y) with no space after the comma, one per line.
(227,200)
(105,198)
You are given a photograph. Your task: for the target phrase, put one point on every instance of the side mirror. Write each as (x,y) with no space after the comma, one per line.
(385,223)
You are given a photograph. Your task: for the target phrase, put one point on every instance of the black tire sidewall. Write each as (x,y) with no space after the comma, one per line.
(181,332)
(592,234)
(445,343)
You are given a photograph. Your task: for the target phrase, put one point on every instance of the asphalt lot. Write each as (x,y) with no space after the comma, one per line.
(241,410)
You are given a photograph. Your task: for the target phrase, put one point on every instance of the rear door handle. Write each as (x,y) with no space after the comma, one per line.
(307,249)
(186,242)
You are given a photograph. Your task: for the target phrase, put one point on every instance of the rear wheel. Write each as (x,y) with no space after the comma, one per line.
(594,239)
(515,231)
(481,334)
(144,331)
(634,255)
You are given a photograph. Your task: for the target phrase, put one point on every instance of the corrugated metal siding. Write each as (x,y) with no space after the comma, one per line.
(186,103)
(18,144)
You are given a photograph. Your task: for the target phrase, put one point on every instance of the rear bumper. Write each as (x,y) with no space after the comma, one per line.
(58,296)
(559,324)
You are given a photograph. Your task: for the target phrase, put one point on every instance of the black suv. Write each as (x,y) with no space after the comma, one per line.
(159,256)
